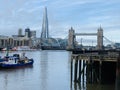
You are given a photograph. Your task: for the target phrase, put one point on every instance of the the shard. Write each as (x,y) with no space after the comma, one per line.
(45,29)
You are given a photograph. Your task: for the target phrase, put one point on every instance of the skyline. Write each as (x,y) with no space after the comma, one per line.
(82,15)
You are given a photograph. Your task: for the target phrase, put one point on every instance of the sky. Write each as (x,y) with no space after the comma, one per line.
(85,16)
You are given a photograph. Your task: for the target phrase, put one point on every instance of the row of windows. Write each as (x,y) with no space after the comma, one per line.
(14,43)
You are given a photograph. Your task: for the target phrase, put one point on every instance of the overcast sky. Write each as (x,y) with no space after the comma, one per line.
(82,15)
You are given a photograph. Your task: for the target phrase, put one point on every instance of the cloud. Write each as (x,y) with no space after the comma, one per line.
(82,15)
(70,3)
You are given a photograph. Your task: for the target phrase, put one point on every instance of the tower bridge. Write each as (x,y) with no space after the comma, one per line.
(72,38)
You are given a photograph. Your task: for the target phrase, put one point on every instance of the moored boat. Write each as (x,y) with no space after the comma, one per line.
(22,48)
(15,61)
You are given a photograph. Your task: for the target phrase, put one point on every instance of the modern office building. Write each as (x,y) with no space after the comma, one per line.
(47,42)
(45,28)
(20,32)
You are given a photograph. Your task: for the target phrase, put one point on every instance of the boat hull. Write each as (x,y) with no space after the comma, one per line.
(17,65)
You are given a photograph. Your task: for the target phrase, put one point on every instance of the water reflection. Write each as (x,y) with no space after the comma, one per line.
(51,71)
(44,69)
(118,83)
(11,77)
(78,86)
(6,81)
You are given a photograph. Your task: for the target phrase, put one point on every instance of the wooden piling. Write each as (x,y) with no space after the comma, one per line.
(79,78)
(100,67)
(89,70)
(71,71)
(83,71)
(75,69)
(96,65)
(118,74)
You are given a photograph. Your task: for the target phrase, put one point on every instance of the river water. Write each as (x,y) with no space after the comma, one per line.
(50,71)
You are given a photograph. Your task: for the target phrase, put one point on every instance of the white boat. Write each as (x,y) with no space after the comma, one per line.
(21,48)
(4,49)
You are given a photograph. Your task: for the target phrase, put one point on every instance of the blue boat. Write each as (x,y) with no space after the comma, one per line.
(15,61)
(1,60)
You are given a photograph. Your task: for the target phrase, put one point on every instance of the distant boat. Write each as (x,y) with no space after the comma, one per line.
(22,48)
(4,49)
(15,61)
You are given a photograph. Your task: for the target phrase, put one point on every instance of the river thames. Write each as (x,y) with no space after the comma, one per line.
(50,71)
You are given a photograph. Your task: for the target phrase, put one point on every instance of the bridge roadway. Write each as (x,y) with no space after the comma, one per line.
(86,34)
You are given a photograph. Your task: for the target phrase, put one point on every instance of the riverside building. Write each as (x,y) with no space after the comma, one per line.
(18,40)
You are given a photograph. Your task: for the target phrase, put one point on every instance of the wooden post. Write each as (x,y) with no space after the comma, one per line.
(71,70)
(79,78)
(118,73)
(100,73)
(89,70)
(75,69)
(83,71)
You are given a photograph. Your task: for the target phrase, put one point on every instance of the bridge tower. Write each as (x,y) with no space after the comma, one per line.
(71,38)
(45,29)
(100,39)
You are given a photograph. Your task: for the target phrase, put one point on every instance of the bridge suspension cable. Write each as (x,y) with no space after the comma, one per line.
(112,43)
